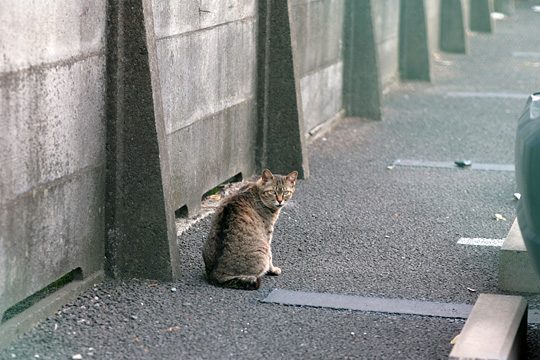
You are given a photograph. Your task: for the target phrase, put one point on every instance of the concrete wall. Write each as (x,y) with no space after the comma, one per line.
(386,26)
(318,26)
(182,84)
(52,142)
(432,21)
(207,68)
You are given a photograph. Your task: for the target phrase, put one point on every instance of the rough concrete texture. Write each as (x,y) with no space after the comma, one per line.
(280,136)
(432,9)
(318,26)
(386,25)
(361,75)
(516,267)
(52,143)
(414,56)
(207,69)
(178,17)
(47,32)
(495,329)
(224,145)
(140,214)
(354,227)
(480,19)
(452,34)
(322,95)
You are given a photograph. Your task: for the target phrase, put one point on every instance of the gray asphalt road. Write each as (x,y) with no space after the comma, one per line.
(354,227)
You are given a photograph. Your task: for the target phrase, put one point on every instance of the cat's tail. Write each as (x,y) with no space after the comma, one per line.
(245,282)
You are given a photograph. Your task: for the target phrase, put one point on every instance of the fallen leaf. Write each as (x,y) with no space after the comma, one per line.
(390,167)
(471,289)
(454,340)
(215,197)
(499,217)
(517,196)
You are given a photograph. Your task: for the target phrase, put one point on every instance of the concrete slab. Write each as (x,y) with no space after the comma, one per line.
(452,35)
(46,32)
(496,329)
(363,303)
(516,272)
(480,16)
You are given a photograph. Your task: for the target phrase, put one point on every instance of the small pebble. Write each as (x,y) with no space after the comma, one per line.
(77,357)
(173,289)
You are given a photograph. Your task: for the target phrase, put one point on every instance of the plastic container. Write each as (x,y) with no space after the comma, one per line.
(527,161)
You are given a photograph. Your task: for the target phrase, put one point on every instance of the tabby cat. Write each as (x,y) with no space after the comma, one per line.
(237,252)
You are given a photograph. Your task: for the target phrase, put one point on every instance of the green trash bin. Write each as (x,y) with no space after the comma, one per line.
(527,161)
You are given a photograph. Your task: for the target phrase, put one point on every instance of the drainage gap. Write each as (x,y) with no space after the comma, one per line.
(222,189)
(74,275)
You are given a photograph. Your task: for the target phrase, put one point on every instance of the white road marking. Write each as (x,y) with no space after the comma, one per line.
(451,165)
(480,242)
(468,94)
(526,54)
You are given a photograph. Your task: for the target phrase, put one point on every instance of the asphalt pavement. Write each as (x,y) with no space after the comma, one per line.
(358,226)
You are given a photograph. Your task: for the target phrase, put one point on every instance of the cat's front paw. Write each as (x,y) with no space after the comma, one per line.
(274,271)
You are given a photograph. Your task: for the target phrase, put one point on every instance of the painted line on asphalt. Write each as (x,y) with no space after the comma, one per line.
(526,54)
(451,165)
(378,305)
(481,242)
(497,95)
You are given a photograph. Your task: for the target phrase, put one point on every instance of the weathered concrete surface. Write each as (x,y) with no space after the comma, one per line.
(516,269)
(47,32)
(480,19)
(140,214)
(452,34)
(386,25)
(361,80)
(495,329)
(206,54)
(371,54)
(432,10)
(318,26)
(52,143)
(414,55)
(280,136)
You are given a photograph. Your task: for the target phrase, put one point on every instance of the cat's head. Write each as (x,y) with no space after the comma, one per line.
(276,190)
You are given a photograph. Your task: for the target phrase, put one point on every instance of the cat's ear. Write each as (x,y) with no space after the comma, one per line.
(266,176)
(292,177)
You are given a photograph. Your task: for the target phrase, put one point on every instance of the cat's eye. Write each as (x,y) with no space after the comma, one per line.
(286,193)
